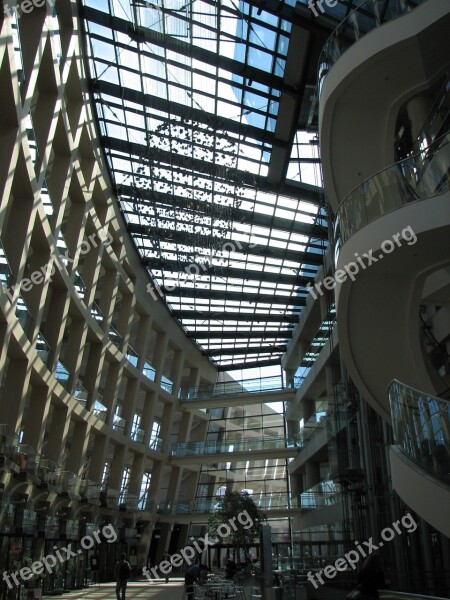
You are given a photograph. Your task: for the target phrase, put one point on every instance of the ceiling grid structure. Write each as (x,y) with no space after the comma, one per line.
(200,112)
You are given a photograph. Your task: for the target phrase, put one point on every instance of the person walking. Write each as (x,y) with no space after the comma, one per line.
(371,577)
(194,573)
(122,572)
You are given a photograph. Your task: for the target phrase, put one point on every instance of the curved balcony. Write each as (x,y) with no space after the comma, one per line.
(369,15)
(419,177)
(420,460)
(421,425)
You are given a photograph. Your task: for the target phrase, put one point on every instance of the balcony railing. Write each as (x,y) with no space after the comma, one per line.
(119,424)
(100,411)
(28,459)
(155,444)
(69,483)
(138,435)
(80,393)
(9,443)
(24,317)
(166,384)
(90,490)
(149,371)
(29,521)
(265,502)
(144,503)
(97,313)
(230,446)
(109,497)
(232,388)
(49,472)
(79,285)
(421,425)
(132,356)
(6,277)
(115,337)
(325,493)
(366,17)
(128,502)
(42,348)
(419,177)
(62,375)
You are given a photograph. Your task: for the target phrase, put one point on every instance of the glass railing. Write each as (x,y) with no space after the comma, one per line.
(62,375)
(419,177)
(115,337)
(231,446)
(128,501)
(72,529)
(90,490)
(437,118)
(138,435)
(232,388)
(208,505)
(48,471)
(9,442)
(149,371)
(366,17)
(97,313)
(155,444)
(119,424)
(80,393)
(28,459)
(42,348)
(24,317)
(144,503)
(109,497)
(421,425)
(69,483)
(325,493)
(79,285)
(100,411)
(132,356)
(166,384)
(6,277)
(29,521)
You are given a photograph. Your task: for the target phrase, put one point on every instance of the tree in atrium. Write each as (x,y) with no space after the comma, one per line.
(237,522)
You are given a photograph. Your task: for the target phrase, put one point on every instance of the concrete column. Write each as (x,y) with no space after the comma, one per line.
(166,426)
(59,428)
(37,419)
(161,347)
(312,474)
(14,386)
(98,458)
(176,371)
(117,467)
(78,447)
(137,471)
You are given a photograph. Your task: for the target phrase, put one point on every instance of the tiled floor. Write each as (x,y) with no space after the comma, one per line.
(151,590)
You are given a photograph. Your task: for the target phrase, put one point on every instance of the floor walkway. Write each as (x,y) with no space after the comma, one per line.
(141,590)
(173,590)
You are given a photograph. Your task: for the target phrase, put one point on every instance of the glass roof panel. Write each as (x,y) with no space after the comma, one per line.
(187,94)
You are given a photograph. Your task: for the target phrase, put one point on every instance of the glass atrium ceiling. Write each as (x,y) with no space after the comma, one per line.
(188,95)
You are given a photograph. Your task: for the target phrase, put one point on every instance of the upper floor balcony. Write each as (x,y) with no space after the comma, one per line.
(420,177)
(367,16)
(420,459)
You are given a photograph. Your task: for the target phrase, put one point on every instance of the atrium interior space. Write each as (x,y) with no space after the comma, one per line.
(225,277)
